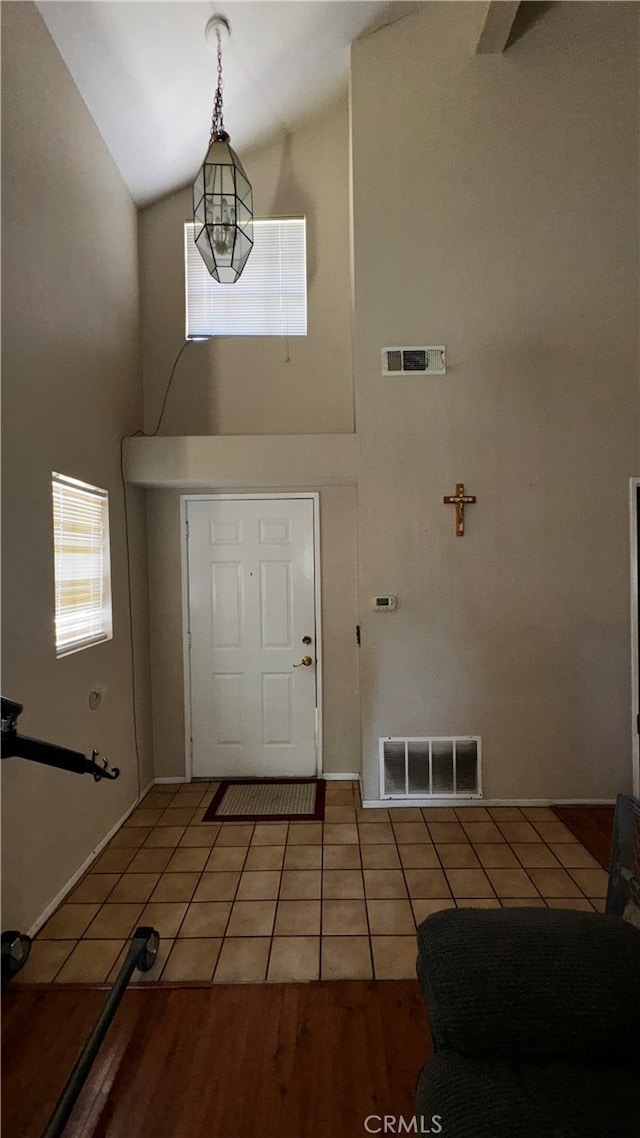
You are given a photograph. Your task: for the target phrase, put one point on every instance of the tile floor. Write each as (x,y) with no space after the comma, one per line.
(301,901)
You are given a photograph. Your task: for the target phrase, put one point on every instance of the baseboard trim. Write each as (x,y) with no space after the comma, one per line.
(402,803)
(177,778)
(337,777)
(57,900)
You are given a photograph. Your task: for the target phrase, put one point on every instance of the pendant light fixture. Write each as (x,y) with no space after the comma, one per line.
(222,196)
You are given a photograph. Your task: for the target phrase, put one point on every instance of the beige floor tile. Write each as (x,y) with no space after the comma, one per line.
(534,855)
(511,883)
(342,883)
(339,814)
(442,832)
(378,857)
(554,832)
(439,814)
(394,957)
(411,833)
(270,834)
(201,837)
(344,918)
(298,918)
(190,797)
(574,856)
(114,922)
(68,922)
(165,916)
(519,832)
(539,814)
(150,861)
(427,883)
(496,856)
(338,795)
(305,857)
(554,883)
(243,959)
(570,903)
(186,860)
(175,887)
(423,907)
(134,887)
(45,959)
(192,959)
(506,813)
(235,834)
(142,817)
(340,834)
(346,958)
(129,838)
(343,857)
(456,856)
(165,837)
(113,861)
(389,918)
(205,918)
(154,801)
(480,832)
(251,918)
(305,834)
(472,814)
(259,885)
(294,959)
(599,904)
(593,882)
(95,887)
(90,962)
(479,903)
(258,857)
(232,858)
(419,856)
(376,834)
(300,884)
(407,814)
(178,816)
(469,883)
(220,886)
(384,883)
(524,903)
(373,816)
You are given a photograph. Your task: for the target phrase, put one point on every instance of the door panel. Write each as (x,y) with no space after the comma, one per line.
(251,602)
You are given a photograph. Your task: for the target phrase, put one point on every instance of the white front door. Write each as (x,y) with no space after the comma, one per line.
(251,575)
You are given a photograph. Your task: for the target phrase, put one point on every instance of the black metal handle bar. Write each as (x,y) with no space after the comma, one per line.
(143,950)
(38,751)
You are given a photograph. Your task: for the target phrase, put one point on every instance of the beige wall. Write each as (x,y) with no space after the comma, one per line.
(496,212)
(340,662)
(259,385)
(71,388)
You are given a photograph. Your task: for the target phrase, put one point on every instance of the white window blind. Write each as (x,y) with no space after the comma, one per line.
(81,564)
(269,299)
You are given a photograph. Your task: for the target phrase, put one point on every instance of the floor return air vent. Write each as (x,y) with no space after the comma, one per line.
(431,767)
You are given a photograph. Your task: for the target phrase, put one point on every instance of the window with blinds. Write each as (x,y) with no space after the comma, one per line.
(81,564)
(269,299)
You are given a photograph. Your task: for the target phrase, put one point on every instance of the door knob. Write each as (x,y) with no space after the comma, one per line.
(305,662)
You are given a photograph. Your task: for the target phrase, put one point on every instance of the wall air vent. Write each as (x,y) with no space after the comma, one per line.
(431,767)
(414,361)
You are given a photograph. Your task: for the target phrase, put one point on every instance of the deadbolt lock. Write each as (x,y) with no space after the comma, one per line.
(306,640)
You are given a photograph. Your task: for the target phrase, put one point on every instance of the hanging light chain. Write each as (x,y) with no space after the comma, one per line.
(217,124)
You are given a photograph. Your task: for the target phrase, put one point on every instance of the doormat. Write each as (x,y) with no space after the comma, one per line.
(268,800)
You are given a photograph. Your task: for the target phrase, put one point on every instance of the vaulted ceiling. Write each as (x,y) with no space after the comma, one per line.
(147,73)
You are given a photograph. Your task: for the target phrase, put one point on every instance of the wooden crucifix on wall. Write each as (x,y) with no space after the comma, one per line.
(459,500)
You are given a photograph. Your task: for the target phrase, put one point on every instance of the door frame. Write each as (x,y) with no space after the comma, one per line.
(634,543)
(312,496)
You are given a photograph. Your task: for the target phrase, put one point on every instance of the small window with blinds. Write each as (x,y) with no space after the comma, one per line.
(81,564)
(269,299)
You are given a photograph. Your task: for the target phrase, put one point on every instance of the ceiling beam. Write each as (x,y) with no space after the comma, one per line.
(498,22)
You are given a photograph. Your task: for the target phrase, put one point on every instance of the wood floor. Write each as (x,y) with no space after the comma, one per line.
(243,1061)
(592,826)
